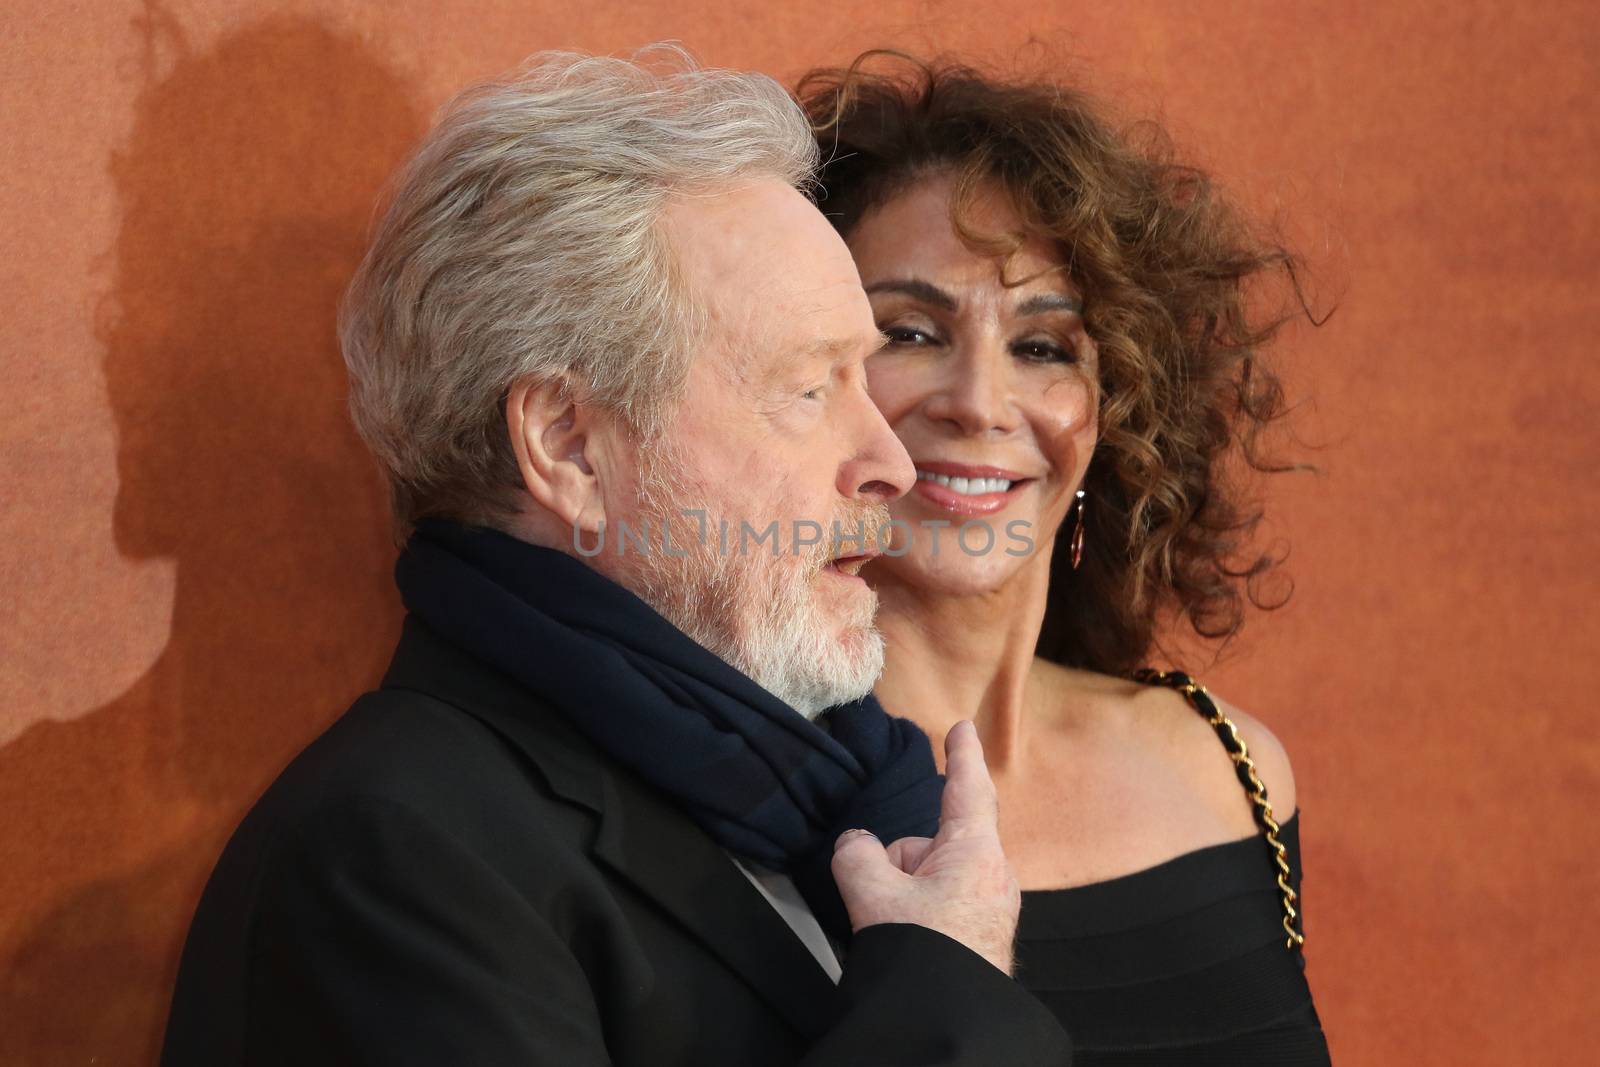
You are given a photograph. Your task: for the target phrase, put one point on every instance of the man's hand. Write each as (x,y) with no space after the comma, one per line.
(958,882)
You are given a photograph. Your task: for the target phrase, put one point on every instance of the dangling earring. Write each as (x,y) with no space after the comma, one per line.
(1077,533)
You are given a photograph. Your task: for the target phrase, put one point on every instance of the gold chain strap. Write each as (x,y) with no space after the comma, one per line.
(1201,701)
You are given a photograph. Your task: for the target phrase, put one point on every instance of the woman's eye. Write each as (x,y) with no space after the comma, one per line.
(907,335)
(814,393)
(1044,352)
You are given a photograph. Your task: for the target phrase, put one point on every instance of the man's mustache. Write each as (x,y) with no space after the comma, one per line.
(857,529)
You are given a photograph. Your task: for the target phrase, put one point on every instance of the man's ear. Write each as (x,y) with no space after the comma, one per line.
(552,436)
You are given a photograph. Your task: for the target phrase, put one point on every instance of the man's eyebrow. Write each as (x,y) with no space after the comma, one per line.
(926,292)
(1043,302)
(837,348)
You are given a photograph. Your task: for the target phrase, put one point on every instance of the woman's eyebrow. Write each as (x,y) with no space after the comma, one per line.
(1043,302)
(926,292)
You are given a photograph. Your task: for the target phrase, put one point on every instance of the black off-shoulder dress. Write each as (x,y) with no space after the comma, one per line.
(1180,965)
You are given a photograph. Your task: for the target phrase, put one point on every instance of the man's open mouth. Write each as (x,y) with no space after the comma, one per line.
(850,565)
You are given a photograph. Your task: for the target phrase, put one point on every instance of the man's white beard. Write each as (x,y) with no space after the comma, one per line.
(757,612)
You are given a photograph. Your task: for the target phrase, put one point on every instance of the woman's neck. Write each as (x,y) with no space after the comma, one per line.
(949,658)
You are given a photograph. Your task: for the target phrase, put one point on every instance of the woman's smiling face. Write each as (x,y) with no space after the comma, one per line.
(988,379)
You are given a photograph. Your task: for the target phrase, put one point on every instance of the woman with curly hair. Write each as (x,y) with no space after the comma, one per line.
(1073,367)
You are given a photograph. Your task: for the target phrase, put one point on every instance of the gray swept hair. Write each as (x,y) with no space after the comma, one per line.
(521,243)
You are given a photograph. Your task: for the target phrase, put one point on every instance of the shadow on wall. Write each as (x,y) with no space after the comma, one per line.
(246,188)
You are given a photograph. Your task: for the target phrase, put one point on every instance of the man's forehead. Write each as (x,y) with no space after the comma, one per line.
(778,330)
(776,282)
(718,234)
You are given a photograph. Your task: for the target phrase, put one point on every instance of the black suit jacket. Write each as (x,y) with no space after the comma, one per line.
(452,874)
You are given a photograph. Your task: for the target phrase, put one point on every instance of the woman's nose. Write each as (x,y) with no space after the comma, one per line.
(976,392)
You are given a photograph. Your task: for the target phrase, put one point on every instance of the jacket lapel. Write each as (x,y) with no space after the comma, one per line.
(642,837)
(666,856)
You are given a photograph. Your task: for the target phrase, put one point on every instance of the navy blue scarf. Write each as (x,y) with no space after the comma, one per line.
(766,784)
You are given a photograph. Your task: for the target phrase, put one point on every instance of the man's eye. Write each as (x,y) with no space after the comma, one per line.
(814,393)
(1041,351)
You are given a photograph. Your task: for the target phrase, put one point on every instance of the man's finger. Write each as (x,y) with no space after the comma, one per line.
(969,803)
(907,852)
(859,866)
(858,854)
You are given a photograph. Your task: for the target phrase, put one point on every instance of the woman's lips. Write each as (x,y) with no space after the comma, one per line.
(950,486)
(949,500)
(965,470)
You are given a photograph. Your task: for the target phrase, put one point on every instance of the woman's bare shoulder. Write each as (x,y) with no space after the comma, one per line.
(1161,721)
(1271,759)
(1266,752)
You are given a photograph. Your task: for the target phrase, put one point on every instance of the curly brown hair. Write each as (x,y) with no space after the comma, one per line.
(1166,267)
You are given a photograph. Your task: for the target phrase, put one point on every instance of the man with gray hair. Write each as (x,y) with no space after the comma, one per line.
(610,361)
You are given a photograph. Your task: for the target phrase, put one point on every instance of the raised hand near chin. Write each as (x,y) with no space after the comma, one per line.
(957,882)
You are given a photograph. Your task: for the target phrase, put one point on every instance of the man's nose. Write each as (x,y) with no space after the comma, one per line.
(878,469)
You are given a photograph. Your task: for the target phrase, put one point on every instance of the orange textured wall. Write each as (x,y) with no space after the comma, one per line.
(193,552)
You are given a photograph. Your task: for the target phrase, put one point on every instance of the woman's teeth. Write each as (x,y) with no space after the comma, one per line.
(966,486)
